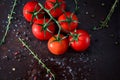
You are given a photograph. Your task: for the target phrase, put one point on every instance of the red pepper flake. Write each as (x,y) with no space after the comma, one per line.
(16,53)
(35,78)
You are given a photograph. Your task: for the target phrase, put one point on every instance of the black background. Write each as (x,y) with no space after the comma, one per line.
(99,62)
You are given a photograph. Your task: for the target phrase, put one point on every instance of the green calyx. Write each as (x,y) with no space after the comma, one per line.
(57,4)
(35,13)
(69,20)
(74,36)
(45,26)
(58,38)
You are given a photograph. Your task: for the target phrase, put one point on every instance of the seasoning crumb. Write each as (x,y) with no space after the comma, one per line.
(4,57)
(95,60)
(10,72)
(13,69)
(84,79)
(16,53)
(92,16)
(102,4)
(50,78)
(112,35)
(46,75)
(86,13)
(116,43)
(18,60)
(9,50)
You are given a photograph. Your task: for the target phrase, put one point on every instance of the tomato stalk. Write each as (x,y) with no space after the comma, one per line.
(9,22)
(37,58)
(51,17)
(107,19)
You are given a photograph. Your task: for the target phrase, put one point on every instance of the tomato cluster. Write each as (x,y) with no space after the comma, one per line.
(43,28)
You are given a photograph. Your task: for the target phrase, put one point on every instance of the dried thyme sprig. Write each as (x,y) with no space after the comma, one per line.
(107,19)
(76,6)
(9,22)
(37,58)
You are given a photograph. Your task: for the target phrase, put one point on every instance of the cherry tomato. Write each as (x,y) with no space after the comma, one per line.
(43,31)
(79,40)
(58,47)
(68,21)
(30,11)
(56,7)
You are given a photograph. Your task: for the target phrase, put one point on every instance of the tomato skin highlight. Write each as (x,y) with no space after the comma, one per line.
(38,31)
(66,25)
(29,8)
(58,47)
(55,12)
(83,41)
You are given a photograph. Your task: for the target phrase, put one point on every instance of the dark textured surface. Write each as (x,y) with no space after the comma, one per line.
(99,62)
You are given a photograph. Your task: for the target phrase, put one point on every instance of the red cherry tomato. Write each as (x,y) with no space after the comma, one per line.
(58,47)
(79,40)
(57,7)
(68,21)
(30,11)
(42,31)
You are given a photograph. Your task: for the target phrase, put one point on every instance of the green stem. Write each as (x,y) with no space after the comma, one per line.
(110,14)
(107,19)
(37,58)
(48,12)
(76,6)
(9,22)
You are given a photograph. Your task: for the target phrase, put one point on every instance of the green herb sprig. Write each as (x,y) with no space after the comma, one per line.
(10,17)
(107,19)
(37,58)
(76,6)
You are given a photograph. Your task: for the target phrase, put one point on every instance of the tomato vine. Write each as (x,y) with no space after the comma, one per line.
(51,18)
